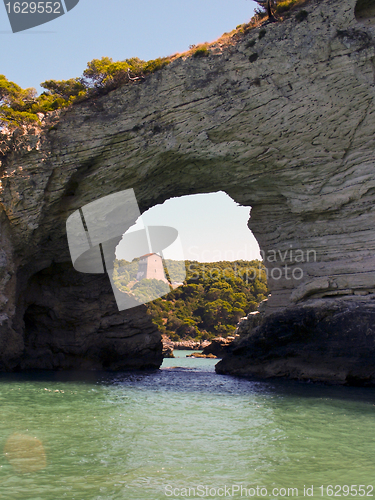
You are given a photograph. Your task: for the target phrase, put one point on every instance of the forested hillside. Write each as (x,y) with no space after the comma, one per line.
(212,299)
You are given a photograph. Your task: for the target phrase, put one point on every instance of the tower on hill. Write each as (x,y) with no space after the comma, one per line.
(150,266)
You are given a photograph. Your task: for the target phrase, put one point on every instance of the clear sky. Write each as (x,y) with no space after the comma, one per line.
(147,29)
(119,29)
(211,227)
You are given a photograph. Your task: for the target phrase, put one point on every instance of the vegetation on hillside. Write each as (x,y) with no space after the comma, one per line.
(22,107)
(211,301)
(16,103)
(278,7)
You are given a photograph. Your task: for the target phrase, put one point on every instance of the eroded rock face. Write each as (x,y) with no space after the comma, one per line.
(285,126)
(72,322)
(326,340)
(217,347)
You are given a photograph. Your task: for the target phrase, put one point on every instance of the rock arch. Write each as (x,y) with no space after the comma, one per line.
(289,133)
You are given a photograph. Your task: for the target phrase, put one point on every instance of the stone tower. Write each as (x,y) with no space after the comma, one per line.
(150,266)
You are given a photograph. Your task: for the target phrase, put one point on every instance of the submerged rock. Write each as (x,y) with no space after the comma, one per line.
(201,355)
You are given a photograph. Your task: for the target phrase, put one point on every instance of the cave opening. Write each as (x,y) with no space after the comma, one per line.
(216,248)
(212,227)
(70,318)
(365,12)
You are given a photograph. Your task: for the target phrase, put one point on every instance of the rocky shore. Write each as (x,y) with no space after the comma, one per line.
(214,348)
(186,345)
(218,347)
(200,355)
(190,345)
(322,341)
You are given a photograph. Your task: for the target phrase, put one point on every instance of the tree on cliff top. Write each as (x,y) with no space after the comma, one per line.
(274,8)
(16,104)
(20,107)
(105,73)
(66,89)
(267,6)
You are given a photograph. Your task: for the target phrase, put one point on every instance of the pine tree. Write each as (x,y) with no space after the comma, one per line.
(267,6)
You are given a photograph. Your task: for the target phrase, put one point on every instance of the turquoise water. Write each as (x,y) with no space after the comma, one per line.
(135,436)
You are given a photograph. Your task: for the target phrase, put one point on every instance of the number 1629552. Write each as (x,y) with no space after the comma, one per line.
(354,490)
(35,7)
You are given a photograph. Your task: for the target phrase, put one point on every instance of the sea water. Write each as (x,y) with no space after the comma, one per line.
(182,432)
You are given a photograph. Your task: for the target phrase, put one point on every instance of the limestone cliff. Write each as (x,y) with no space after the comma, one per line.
(283,123)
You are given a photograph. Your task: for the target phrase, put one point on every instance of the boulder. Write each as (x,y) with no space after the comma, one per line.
(217,347)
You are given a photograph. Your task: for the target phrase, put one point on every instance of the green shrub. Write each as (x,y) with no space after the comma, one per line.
(262,34)
(155,65)
(285,6)
(302,15)
(17,105)
(150,289)
(66,89)
(20,106)
(201,52)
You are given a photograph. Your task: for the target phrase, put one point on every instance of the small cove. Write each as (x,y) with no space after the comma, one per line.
(134,435)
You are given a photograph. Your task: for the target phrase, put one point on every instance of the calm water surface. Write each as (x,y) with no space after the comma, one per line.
(153,435)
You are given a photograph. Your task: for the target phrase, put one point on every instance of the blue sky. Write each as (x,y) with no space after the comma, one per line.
(119,29)
(147,29)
